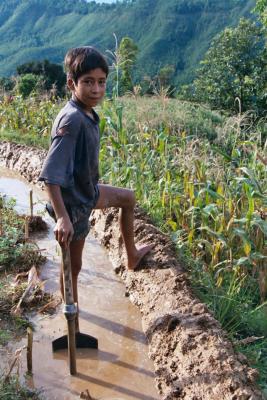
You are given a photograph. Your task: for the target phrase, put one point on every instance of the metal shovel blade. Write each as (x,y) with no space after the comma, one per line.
(83,341)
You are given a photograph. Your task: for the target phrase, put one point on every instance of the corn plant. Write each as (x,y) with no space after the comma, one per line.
(211,195)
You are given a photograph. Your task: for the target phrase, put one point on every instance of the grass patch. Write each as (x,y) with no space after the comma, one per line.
(15,254)
(13,389)
(5,336)
(27,139)
(256,354)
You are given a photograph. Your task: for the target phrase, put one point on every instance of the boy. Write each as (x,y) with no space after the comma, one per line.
(70,171)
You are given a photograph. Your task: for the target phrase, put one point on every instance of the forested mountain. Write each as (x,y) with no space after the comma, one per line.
(175,32)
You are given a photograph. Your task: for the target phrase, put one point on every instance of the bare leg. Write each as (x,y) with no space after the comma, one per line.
(76,249)
(111,196)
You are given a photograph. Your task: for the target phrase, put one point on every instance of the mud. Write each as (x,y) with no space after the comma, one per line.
(192,357)
(37,224)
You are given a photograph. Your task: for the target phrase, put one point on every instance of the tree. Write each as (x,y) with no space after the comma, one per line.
(52,74)
(7,84)
(165,75)
(234,67)
(261,8)
(127,53)
(161,83)
(26,84)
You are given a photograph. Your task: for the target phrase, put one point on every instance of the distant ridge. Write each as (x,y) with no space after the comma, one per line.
(176,32)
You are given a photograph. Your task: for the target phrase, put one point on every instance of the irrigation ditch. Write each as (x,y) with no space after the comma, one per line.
(193,359)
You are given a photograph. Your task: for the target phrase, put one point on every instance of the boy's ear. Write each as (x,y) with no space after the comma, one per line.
(70,83)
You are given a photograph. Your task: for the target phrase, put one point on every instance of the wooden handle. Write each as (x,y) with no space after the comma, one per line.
(31,203)
(26,231)
(72,346)
(29,349)
(69,301)
(67,277)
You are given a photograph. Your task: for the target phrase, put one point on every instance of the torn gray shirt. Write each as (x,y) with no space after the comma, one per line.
(72,161)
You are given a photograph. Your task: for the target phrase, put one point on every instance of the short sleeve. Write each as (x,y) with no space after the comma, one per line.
(59,163)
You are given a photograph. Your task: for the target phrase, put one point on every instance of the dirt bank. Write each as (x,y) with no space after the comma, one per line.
(193,358)
(27,161)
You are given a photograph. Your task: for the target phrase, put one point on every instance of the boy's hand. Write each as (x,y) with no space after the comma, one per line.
(64,231)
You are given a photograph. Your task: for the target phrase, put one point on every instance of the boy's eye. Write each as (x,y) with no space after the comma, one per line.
(91,82)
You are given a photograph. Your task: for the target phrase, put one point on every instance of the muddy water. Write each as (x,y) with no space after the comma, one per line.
(120,368)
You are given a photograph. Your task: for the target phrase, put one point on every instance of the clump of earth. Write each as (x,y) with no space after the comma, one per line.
(37,224)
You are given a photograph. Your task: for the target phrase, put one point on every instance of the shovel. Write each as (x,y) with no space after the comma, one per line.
(72,339)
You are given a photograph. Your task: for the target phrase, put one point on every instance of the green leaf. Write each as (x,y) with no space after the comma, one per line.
(210,209)
(250,174)
(257,256)
(261,224)
(115,143)
(213,233)
(242,261)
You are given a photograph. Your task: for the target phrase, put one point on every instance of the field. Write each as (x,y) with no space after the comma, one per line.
(201,176)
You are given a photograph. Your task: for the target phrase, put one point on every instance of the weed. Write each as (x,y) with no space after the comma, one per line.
(5,336)
(13,389)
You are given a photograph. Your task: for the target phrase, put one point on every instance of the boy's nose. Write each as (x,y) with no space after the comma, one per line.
(96,87)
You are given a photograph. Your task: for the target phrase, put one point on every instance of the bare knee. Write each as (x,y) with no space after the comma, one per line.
(76,248)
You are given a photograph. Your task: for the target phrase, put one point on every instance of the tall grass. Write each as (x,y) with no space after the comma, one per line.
(28,121)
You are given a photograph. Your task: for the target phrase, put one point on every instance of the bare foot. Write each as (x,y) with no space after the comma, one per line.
(134,261)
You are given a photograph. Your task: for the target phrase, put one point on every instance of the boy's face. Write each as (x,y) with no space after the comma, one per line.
(90,88)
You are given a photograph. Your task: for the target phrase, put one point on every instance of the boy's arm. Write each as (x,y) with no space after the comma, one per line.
(63,229)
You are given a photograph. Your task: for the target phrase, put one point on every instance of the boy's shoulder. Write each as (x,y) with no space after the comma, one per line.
(70,112)
(69,116)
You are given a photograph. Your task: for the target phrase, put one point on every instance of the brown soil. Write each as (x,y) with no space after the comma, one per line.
(37,224)
(193,358)
(25,160)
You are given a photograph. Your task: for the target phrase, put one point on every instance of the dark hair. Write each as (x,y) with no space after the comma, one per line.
(80,60)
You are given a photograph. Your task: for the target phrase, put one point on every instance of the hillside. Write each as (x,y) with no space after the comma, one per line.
(176,32)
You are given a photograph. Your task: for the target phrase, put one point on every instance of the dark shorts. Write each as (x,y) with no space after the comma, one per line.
(79,216)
